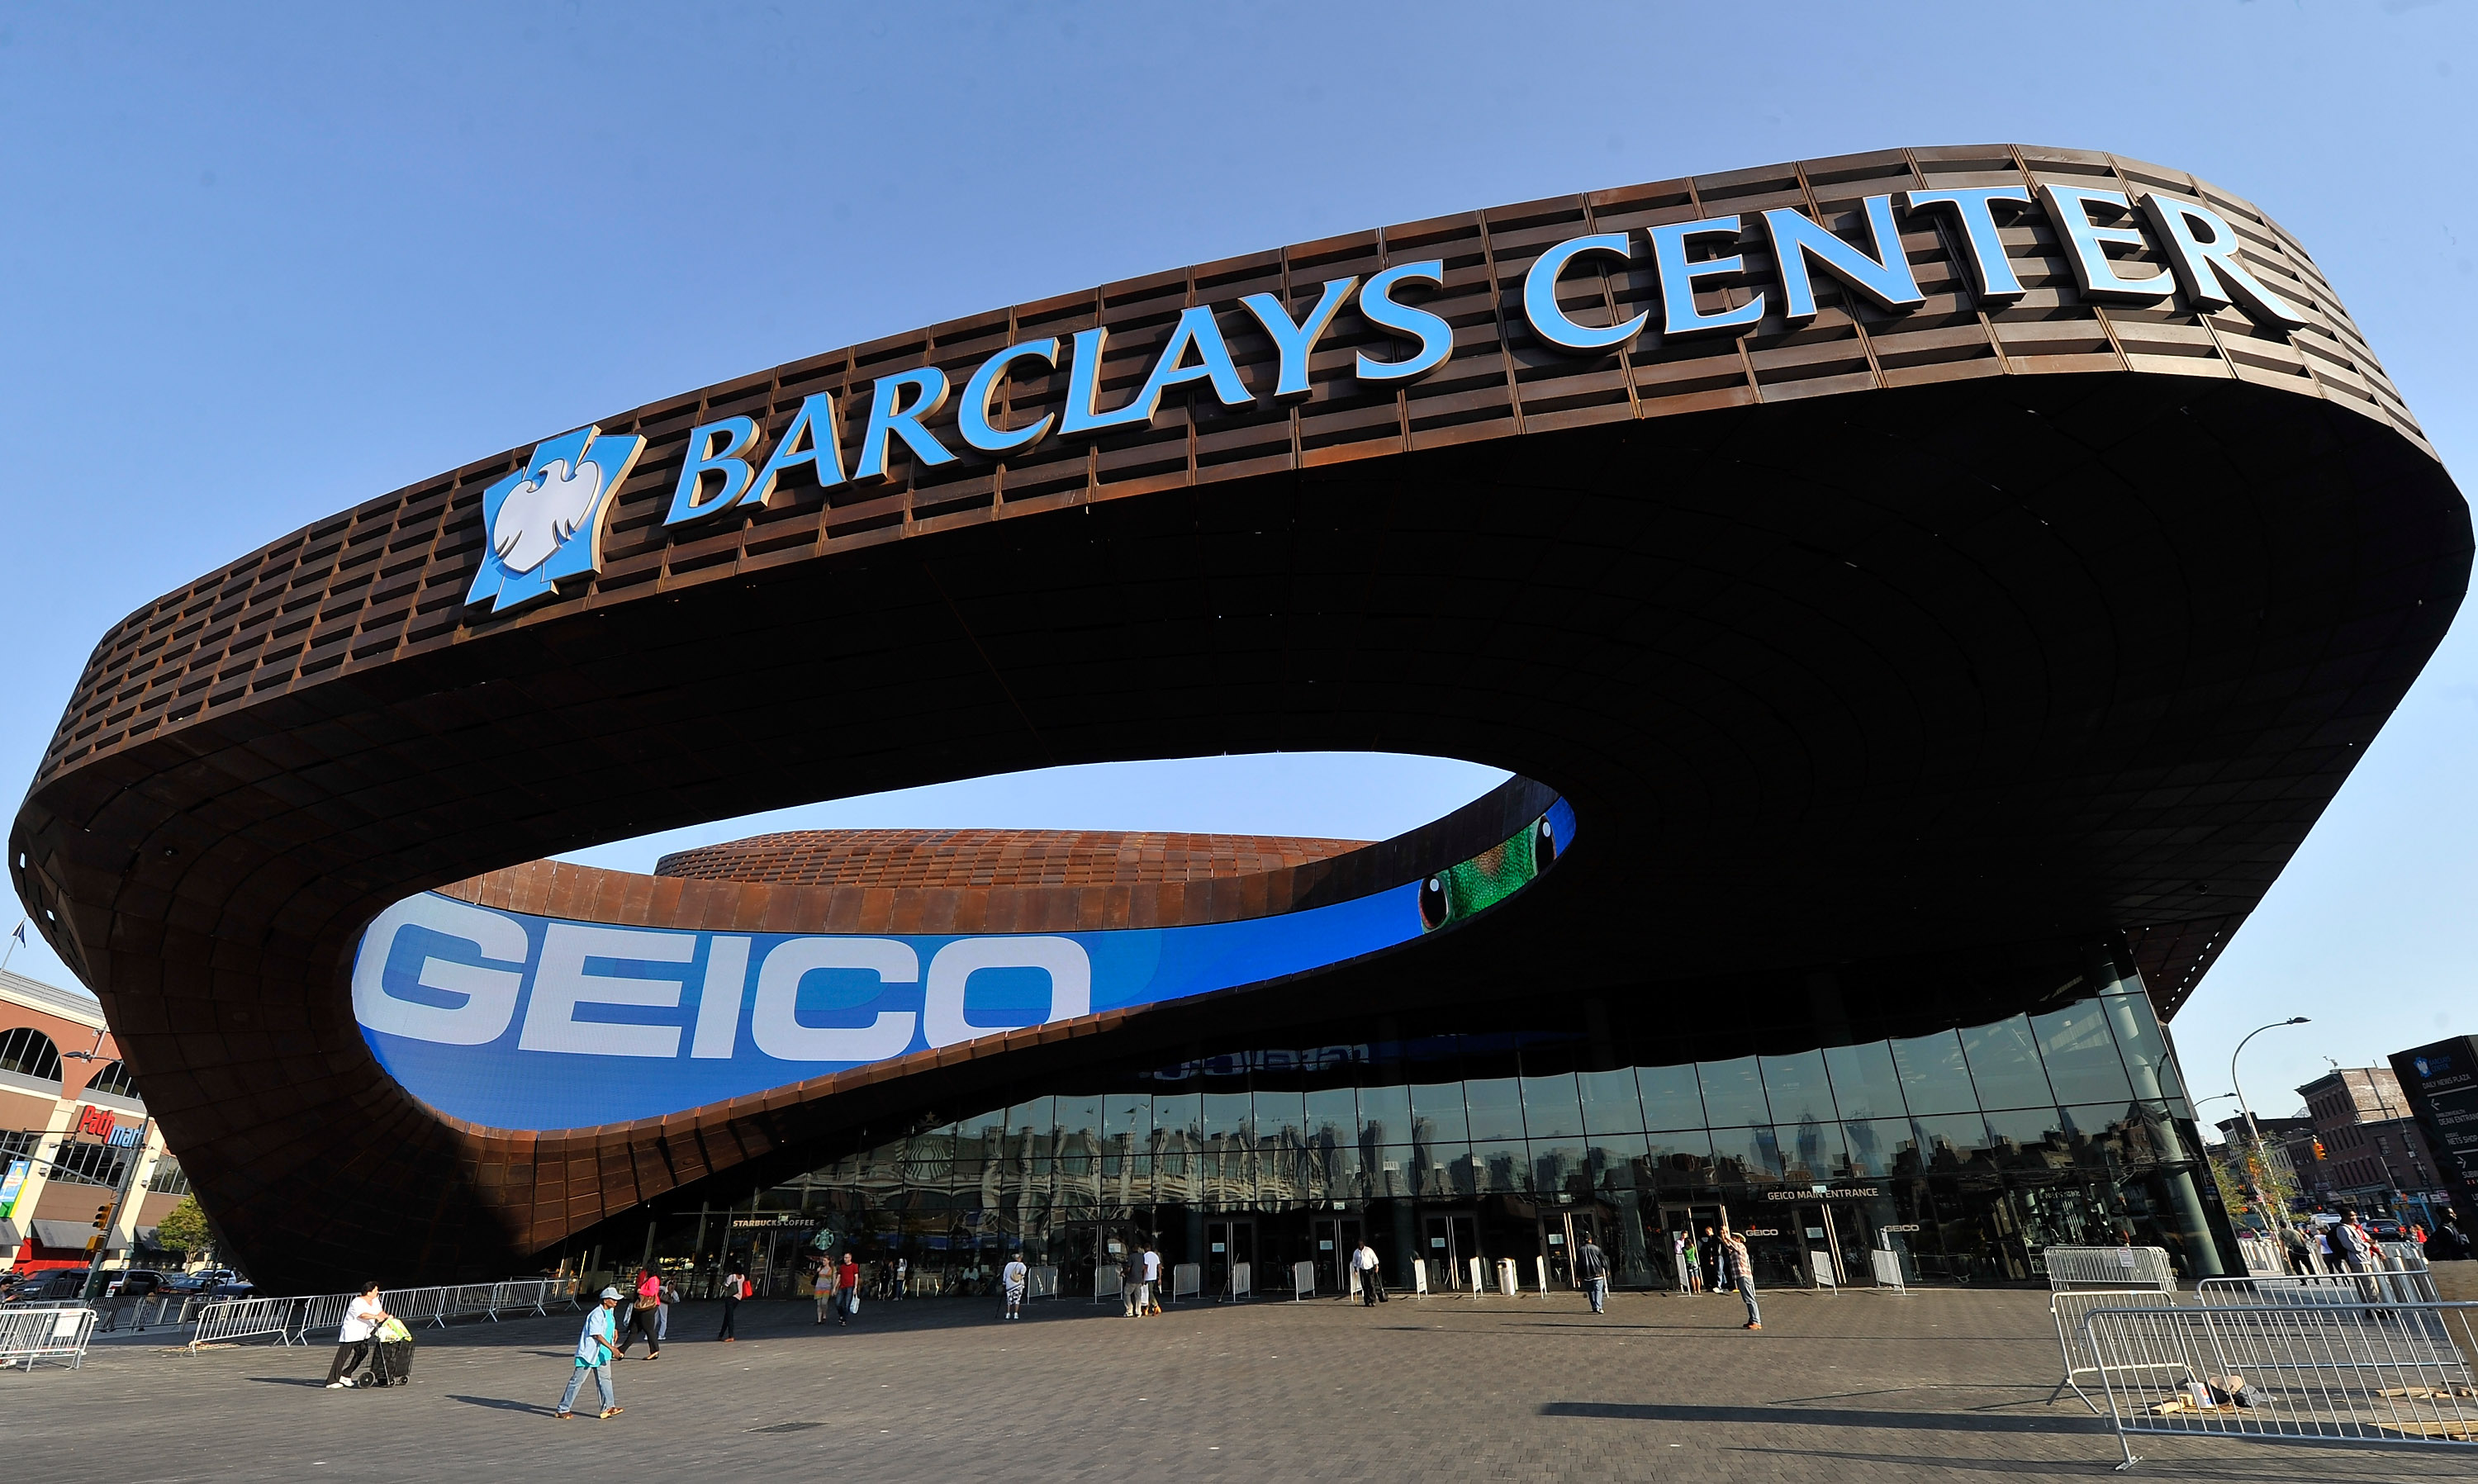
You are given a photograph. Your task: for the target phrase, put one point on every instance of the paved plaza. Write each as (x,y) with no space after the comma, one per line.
(1859,1387)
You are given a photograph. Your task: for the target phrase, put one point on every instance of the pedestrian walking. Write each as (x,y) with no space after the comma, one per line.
(595,1353)
(735,1287)
(670,1296)
(847,1289)
(1709,1246)
(645,1313)
(1739,1271)
(1012,1280)
(903,1275)
(1683,1264)
(1592,1266)
(1129,1285)
(2350,1243)
(362,1319)
(2296,1251)
(1149,1292)
(2448,1244)
(821,1287)
(1371,1286)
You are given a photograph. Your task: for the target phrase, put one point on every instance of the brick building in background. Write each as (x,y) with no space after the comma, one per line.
(71,1117)
(2374,1155)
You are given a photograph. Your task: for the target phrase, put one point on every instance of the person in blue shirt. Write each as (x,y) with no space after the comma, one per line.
(594,1349)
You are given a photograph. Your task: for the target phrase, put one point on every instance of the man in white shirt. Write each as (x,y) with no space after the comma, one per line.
(1148,1282)
(1372,1287)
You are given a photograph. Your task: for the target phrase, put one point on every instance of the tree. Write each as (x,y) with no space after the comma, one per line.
(2255,1183)
(184,1228)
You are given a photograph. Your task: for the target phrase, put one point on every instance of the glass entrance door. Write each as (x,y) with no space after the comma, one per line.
(1817,1244)
(1562,1235)
(1227,1244)
(1849,1231)
(1696,1226)
(1334,1239)
(1449,1241)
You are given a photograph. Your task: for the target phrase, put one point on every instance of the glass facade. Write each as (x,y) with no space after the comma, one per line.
(1958,1154)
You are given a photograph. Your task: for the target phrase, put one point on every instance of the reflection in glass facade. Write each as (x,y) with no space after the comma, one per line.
(1959,1154)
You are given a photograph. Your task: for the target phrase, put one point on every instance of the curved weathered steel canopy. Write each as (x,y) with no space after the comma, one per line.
(1998,620)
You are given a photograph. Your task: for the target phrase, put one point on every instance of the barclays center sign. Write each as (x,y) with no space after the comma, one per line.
(545,522)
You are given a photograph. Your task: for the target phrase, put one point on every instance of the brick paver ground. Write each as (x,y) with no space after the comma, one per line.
(1858,1387)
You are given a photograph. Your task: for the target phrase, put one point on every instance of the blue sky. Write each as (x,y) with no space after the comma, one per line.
(261,263)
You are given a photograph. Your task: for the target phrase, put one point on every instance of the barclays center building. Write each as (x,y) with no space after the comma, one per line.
(1922,599)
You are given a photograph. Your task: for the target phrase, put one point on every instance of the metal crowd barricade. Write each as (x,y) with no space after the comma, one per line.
(2369,1372)
(139,1314)
(33,1333)
(226,1319)
(2408,1256)
(163,1309)
(1109,1282)
(2261,1254)
(1886,1265)
(1302,1281)
(531,1295)
(2321,1290)
(294,1321)
(2071,1268)
(1243,1282)
(467,1300)
(2068,1308)
(326,1312)
(1041,1282)
(1186,1279)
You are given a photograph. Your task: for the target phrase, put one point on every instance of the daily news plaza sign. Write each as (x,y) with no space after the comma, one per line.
(545,521)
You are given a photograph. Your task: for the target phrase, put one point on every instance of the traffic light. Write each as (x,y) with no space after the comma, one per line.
(2319,1149)
(103,1217)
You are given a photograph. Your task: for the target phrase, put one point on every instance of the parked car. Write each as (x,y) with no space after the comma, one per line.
(231,1290)
(135,1283)
(54,1283)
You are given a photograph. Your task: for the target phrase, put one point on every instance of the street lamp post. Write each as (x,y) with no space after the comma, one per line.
(2254,1135)
(2253,1132)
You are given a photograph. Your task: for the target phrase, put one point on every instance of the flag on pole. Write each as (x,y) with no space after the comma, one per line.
(21,933)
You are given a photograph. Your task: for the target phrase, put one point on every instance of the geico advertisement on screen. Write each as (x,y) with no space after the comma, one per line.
(517,1021)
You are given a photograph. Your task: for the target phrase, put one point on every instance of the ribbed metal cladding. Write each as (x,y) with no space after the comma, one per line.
(994,858)
(386,579)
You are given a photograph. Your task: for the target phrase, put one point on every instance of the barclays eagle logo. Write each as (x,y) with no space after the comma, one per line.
(545,521)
